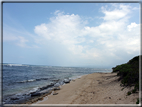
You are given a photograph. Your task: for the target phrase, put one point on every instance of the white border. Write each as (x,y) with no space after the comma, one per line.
(93,1)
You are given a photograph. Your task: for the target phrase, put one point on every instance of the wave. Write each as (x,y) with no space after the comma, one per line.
(34,89)
(32,80)
(14,65)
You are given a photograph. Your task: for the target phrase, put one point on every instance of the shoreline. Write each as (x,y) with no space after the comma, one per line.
(31,96)
(46,97)
(95,88)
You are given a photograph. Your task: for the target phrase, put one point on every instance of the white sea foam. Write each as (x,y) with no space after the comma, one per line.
(31,80)
(75,77)
(34,89)
(15,64)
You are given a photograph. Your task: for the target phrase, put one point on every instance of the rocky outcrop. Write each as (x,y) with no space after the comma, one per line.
(57,88)
(35,94)
(66,81)
(48,86)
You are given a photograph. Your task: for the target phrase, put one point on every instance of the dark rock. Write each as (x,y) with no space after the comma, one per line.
(56,88)
(43,88)
(41,98)
(55,80)
(32,92)
(100,83)
(35,94)
(55,93)
(14,98)
(48,86)
(45,92)
(51,84)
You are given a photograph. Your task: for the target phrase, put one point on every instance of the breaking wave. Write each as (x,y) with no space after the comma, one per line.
(32,80)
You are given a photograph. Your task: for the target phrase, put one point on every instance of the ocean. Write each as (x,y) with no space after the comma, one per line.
(19,80)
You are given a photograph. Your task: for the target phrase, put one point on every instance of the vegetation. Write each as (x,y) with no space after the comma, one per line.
(122,89)
(137,101)
(128,93)
(129,73)
(134,91)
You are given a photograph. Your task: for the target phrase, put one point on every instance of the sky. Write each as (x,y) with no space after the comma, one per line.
(71,34)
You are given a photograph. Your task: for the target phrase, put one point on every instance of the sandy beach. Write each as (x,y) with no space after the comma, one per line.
(96,88)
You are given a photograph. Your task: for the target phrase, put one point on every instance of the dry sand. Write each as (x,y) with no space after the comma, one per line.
(96,88)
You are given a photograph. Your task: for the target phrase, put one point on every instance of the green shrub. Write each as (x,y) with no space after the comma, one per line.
(122,89)
(117,68)
(137,101)
(137,86)
(129,73)
(128,93)
(134,90)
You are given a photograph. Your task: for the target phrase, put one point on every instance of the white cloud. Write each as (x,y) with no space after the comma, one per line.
(64,29)
(21,41)
(118,12)
(10,38)
(110,39)
(131,26)
(114,38)
(18,37)
(61,27)
(135,8)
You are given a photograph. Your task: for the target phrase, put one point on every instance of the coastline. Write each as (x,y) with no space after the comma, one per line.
(96,88)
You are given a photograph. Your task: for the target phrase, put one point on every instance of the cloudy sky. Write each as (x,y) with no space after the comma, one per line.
(71,34)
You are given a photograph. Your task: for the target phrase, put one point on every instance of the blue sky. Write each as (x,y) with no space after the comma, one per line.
(71,34)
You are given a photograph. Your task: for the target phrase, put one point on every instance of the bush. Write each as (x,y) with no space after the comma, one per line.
(134,90)
(128,93)
(117,68)
(129,72)
(137,86)
(122,89)
(137,101)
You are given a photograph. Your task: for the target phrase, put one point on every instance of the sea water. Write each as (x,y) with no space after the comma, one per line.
(18,79)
